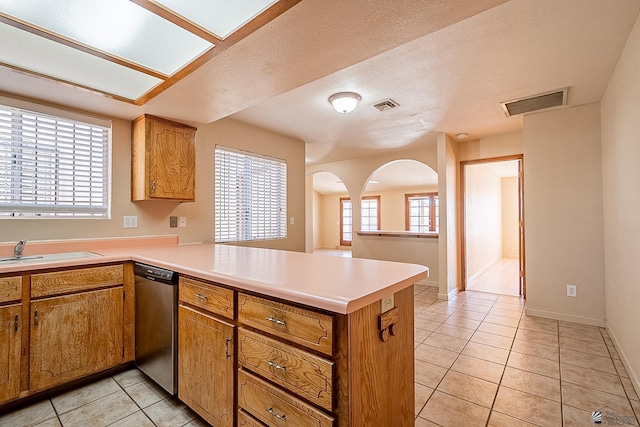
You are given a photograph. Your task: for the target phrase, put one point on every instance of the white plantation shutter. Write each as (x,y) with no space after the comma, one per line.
(52,166)
(250,196)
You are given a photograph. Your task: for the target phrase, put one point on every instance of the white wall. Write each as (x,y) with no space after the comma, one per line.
(620,108)
(510,229)
(563,214)
(483,219)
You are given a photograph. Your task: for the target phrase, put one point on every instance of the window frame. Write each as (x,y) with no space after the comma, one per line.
(344,199)
(432,211)
(240,215)
(53,117)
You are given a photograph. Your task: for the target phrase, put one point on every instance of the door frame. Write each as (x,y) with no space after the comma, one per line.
(521,228)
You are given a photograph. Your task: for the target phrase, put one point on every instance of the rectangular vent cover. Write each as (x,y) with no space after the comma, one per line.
(542,101)
(385,105)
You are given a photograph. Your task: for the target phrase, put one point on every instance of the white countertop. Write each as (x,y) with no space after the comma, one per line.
(337,284)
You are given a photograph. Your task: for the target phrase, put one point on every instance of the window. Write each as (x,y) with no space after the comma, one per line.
(251,196)
(422,212)
(370,217)
(52,166)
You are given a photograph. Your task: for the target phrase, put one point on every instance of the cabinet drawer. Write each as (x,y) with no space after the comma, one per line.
(298,371)
(79,279)
(207,296)
(274,407)
(10,288)
(246,420)
(305,327)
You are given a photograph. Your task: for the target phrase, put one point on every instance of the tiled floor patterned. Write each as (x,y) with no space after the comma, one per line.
(479,362)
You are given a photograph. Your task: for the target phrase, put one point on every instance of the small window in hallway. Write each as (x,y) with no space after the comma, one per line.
(370,217)
(422,212)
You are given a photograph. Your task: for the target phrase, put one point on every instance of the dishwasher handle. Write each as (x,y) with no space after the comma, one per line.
(155,274)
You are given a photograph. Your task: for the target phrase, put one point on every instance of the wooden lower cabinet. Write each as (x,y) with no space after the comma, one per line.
(10,351)
(206,366)
(74,336)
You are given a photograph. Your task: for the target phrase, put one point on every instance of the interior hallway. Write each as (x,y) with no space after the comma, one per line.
(501,278)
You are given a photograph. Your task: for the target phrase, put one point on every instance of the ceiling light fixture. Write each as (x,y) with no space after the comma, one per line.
(344,102)
(462,135)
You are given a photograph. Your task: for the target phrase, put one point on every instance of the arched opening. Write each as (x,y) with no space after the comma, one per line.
(330,225)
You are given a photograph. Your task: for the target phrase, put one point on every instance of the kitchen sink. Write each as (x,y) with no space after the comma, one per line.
(31,259)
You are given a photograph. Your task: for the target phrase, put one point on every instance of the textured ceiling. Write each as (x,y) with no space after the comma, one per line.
(448,64)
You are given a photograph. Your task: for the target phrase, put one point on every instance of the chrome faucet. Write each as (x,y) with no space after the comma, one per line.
(17,251)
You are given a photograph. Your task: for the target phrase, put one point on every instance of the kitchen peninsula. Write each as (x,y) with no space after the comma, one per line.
(293,337)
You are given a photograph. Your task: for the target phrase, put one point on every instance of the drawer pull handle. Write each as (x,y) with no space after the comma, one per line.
(275,365)
(15,324)
(280,417)
(276,321)
(35,318)
(202,297)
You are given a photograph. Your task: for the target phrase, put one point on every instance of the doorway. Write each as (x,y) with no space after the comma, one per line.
(493,225)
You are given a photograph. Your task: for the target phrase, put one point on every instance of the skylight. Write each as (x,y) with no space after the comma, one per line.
(128,50)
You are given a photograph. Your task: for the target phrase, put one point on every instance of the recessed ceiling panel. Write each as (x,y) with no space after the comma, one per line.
(37,54)
(118,27)
(219,17)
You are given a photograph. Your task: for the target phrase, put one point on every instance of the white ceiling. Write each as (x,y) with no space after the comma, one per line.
(448,64)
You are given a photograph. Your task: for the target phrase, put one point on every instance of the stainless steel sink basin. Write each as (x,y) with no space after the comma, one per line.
(31,259)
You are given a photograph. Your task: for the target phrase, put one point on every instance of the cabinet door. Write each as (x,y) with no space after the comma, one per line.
(75,335)
(10,349)
(171,161)
(205,366)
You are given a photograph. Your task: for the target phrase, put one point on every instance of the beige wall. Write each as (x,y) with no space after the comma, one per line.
(510,241)
(620,157)
(317,221)
(563,214)
(483,219)
(450,222)
(493,146)
(153,216)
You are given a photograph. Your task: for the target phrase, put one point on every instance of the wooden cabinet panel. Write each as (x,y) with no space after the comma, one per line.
(246,420)
(10,288)
(274,407)
(305,327)
(75,335)
(205,366)
(163,160)
(207,296)
(78,279)
(10,351)
(298,371)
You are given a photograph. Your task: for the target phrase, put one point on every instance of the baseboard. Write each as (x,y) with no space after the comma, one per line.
(593,321)
(633,375)
(448,296)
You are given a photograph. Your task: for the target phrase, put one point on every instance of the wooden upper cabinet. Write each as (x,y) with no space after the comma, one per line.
(163,160)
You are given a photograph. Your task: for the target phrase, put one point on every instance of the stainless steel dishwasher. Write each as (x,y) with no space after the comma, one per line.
(157,324)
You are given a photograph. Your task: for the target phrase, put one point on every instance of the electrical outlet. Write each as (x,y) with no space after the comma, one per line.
(183,221)
(388,303)
(173,221)
(130,221)
(572,291)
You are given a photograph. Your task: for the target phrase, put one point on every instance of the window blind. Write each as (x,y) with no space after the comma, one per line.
(52,166)
(250,196)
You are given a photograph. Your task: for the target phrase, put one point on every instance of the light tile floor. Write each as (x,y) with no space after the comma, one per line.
(481,362)
(501,278)
(478,359)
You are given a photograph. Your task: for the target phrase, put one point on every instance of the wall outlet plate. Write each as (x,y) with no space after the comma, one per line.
(182,222)
(173,221)
(388,303)
(572,291)
(129,221)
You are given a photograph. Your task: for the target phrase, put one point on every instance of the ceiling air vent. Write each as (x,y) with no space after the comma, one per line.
(385,105)
(541,101)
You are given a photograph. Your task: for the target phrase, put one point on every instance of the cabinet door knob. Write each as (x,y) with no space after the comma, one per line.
(35,318)
(276,321)
(280,417)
